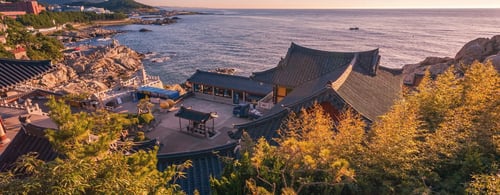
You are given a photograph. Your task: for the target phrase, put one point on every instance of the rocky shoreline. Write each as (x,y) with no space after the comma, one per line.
(158,21)
(92,69)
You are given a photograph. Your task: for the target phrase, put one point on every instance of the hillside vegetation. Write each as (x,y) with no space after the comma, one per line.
(125,6)
(50,19)
(38,46)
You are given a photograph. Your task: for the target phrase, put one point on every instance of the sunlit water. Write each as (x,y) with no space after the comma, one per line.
(255,40)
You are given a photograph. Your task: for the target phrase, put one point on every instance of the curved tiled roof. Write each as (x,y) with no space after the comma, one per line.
(206,163)
(371,96)
(303,64)
(360,83)
(193,115)
(24,143)
(234,82)
(13,72)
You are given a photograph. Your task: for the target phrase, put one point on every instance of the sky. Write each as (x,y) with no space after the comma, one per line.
(325,4)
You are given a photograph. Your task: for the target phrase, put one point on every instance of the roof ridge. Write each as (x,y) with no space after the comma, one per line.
(221,74)
(2,60)
(325,52)
(343,77)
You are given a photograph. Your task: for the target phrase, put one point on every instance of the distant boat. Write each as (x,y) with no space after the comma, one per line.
(145,30)
(354,28)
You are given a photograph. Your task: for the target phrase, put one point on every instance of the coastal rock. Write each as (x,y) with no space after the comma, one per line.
(478,49)
(86,33)
(93,70)
(436,60)
(61,75)
(435,65)
(495,60)
(481,49)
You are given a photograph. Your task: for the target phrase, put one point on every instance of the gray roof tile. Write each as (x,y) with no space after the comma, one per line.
(13,72)
(234,82)
(303,64)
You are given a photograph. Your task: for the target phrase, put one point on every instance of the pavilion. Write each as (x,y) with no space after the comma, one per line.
(197,121)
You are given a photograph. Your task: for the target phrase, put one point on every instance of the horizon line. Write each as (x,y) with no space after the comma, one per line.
(339,8)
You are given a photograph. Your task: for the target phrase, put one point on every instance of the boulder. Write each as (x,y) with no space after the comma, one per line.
(495,60)
(436,60)
(478,49)
(481,49)
(61,75)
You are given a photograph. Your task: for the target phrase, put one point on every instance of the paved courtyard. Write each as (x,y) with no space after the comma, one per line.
(168,131)
(174,140)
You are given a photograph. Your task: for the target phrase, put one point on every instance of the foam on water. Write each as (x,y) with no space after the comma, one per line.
(255,40)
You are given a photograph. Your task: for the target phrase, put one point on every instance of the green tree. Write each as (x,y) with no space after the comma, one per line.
(485,184)
(144,106)
(302,162)
(465,141)
(86,165)
(38,47)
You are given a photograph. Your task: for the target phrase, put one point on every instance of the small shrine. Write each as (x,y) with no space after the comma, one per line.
(197,121)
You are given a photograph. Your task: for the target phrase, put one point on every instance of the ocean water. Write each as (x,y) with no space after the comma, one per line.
(255,40)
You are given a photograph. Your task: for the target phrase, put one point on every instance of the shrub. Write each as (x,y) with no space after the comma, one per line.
(140,137)
(146,118)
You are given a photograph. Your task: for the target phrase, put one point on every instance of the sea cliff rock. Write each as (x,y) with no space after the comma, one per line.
(481,49)
(62,74)
(99,69)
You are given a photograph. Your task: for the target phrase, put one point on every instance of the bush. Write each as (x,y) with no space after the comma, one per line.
(70,27)
(146,118)
(164,105)
(140,137)
(167,104)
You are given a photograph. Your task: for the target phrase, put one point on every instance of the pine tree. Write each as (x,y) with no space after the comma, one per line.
(86,165)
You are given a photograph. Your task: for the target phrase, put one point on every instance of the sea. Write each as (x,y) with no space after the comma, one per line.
(256,40)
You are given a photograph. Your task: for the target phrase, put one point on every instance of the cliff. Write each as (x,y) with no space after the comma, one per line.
(481,49)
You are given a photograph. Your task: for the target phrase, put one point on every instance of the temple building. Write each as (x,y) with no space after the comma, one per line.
(335,80)
(227,88)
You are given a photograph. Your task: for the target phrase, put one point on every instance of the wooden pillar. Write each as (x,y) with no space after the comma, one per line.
(205,128)
(180,124)
(3,136)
